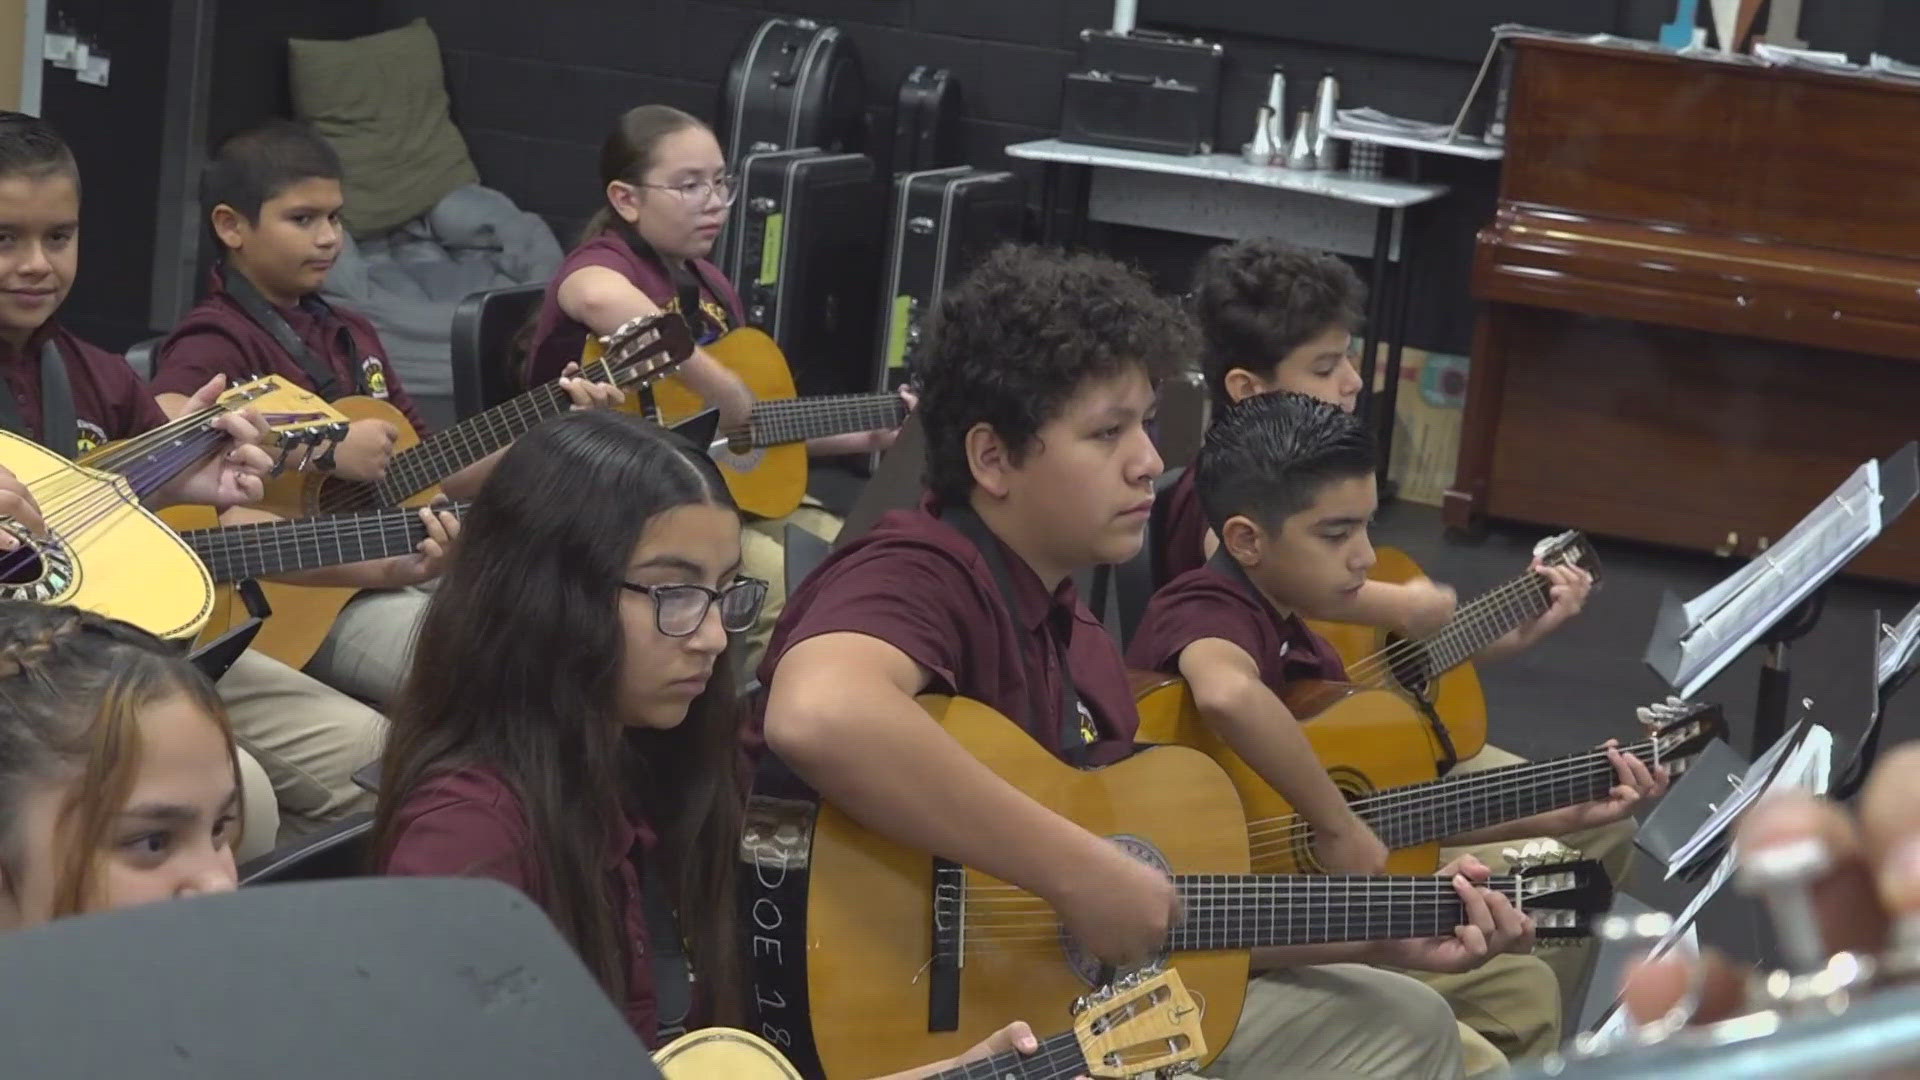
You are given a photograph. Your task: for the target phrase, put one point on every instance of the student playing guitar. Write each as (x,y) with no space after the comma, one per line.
(645,251)
(1037,388)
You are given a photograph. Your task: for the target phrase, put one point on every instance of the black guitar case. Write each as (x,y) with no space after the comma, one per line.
(807,241)
(943,221)
(926,123)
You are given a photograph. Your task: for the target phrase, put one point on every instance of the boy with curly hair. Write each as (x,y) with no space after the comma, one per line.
(1037,385)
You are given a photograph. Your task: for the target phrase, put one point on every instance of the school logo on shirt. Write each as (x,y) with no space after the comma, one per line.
(1089,731)
(373,375)
(713,318)
(88,437)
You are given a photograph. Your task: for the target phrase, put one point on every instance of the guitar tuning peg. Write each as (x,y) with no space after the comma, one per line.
(1644,928)
(1080,1005)
(1782,875)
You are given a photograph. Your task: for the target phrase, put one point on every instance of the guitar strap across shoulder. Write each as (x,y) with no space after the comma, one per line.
(687,278)
(59,430)
(1069,722)
(1228,567)
(264,315)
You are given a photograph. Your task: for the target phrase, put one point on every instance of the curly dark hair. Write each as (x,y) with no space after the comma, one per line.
(1017,338)
(1258,300)
(1268,456)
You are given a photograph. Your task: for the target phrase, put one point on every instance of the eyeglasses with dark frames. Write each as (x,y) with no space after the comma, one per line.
(678,610)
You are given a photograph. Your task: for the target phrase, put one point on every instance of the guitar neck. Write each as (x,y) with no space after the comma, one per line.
(450,450)
(1249,911)
(1058,1058)
(1480,623)
(800,419)
(1423,813)
(271,548)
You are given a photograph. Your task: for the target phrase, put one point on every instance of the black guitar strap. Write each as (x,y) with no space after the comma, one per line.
(687,278)
(1073,718)
(1228,567)
(672,972)
(263,314)
(59,430)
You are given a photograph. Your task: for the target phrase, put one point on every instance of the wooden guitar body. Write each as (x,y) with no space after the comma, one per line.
(842,923)
(1369,740)
(768,481)
(711,1053)
(108,553)
(302,614)
(1455,694)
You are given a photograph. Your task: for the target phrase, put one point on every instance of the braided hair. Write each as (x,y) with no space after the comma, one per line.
(72,685)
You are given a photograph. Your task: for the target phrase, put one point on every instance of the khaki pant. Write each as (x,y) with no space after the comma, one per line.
(1342,1022)
(369,651)
(763,554)
(308,739)
(260,811)
(1506,998)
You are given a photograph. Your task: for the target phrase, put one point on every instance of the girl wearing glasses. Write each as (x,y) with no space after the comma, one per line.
(569,724)
(667,193)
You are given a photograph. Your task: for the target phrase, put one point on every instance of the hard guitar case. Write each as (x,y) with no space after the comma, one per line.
(943,221)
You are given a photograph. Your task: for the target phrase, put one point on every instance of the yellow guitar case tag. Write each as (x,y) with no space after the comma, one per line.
(897,330)
(770,242)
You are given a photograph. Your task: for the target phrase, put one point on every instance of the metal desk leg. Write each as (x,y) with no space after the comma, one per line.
(1376,305)
(1396,337)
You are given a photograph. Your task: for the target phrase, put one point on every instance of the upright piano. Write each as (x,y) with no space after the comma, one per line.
(1701,300)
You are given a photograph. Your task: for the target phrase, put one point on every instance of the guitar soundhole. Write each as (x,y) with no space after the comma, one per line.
(1411,670)
(334,496)
(1085,964)
(36,570)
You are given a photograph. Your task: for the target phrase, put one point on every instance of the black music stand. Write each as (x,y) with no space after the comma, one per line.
(372,978)
(1776,599)
(1897,662)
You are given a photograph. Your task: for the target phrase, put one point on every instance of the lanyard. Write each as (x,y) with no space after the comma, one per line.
(59,431)
(263,314)
(1072,744)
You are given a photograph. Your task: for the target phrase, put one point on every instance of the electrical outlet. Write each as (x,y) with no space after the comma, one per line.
(58,49)
(95,71)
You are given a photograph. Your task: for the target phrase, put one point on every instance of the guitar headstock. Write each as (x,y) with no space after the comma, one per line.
(641,351)
(1142,1025)
(1570,548)
(1564,893)
(1680,729)
(294,415)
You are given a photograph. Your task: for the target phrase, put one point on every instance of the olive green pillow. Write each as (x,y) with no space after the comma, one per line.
(382,102)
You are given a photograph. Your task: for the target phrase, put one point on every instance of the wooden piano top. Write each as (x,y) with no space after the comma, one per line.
(1766,155)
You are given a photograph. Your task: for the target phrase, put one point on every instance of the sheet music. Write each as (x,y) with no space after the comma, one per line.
(1898,646)
(1802,758)
(1780,56)
(1733,614)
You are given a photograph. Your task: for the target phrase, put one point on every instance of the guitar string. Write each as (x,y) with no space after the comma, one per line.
(1381,897)
(1524,778)
(1378,919)
(389,529)
(1060,1062)
(1479,616)
(99,504)
(1301,883)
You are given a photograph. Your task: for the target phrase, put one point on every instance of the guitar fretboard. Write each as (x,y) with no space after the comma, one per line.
(450,450)
(1251,911)
(266,549)
(1480,623)
(800,419)
(1058,1058)
(1422,813)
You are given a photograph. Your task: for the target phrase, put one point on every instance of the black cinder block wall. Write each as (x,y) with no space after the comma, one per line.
(535,86)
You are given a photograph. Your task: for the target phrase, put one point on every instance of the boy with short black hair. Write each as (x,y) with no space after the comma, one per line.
(1036,385)
(71,396)
(1287,483)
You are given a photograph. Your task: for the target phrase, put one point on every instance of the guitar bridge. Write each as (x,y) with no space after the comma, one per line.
(949,945)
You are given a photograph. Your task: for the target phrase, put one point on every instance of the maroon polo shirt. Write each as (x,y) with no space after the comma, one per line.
(109,400)
(558,337)
(1180,530)
(468,823)
(218,337)
(920,585)
(1207,603)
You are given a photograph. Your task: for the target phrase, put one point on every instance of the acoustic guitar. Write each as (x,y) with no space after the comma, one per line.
(765,463)
(1380,753)
(636,354)
(870,957)
(1433,671)
(1144,1025)
(108,553)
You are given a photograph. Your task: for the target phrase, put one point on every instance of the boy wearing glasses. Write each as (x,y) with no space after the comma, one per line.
(667,191)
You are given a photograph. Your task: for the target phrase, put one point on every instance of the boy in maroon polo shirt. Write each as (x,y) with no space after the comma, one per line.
(1288,483)
(1036,386)
(71,396)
